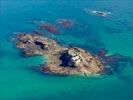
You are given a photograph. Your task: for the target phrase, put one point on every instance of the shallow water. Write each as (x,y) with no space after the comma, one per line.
(115,33)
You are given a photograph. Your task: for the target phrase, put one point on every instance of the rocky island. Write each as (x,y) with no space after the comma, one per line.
(61,60)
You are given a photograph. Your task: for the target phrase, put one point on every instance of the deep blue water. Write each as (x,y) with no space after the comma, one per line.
(114,33)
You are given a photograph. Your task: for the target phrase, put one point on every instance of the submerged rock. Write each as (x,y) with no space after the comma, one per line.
(65,23)
(50,28)
(113,61)
(61,60)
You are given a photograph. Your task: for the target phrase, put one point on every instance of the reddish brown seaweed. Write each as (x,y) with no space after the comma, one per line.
(50,28)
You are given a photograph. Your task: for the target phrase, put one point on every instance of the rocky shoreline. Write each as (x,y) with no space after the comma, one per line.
(61,60)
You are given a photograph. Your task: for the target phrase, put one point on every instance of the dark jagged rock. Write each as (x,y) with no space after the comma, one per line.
(41,45)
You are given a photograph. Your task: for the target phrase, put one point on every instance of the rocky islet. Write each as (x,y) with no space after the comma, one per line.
(68,60)
(61,60)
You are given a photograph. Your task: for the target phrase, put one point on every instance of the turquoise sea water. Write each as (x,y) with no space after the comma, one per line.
(115,33)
